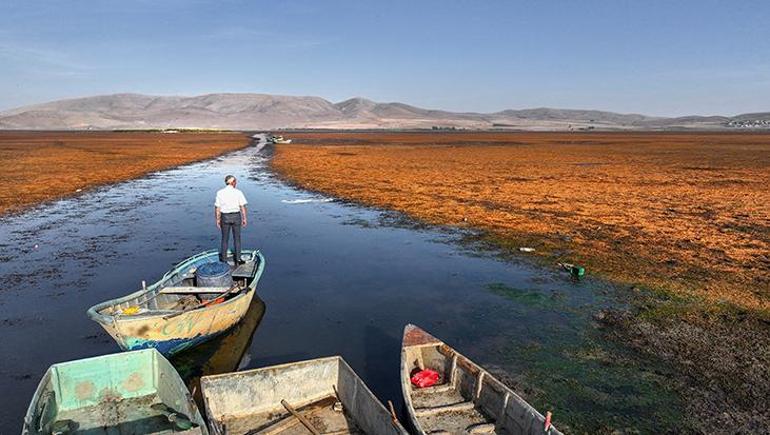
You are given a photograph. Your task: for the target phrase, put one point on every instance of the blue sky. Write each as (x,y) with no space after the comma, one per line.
(653,57)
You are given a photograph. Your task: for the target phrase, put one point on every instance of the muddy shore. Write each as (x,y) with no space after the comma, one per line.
(680,219)
(44,166)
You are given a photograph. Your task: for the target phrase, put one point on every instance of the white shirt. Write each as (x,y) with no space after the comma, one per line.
(229,199)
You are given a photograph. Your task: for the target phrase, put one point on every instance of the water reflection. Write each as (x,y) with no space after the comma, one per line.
(223,354)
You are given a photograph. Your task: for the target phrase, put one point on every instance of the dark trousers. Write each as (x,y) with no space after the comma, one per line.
(230,222)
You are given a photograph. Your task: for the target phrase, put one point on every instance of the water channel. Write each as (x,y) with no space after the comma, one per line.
(340,279)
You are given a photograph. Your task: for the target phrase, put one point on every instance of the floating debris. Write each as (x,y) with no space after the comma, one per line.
(576,271)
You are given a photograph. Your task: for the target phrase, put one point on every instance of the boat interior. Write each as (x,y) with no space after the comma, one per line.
(466,399)
(181,289)
(325,393)
(111,396)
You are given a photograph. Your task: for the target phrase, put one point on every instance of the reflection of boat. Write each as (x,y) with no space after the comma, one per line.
(266,400)
(133,392)
(174,313)
(466,398)
(222,354)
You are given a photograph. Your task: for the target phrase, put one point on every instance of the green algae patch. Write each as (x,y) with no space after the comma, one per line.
(526,297)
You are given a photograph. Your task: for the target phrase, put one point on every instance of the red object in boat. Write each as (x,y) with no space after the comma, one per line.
(424,378)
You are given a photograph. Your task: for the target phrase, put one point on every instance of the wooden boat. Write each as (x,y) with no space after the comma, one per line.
(281,140)
(174,314)
(126,393)
(466,399)
(326,394)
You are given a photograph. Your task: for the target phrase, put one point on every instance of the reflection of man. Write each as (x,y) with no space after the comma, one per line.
(230,210)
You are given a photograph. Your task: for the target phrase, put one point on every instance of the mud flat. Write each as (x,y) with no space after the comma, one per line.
(41,166)
(683,219)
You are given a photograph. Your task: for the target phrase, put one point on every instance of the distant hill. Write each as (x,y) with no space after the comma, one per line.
(262,111)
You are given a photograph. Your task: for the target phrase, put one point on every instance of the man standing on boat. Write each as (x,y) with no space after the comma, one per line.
(230,210)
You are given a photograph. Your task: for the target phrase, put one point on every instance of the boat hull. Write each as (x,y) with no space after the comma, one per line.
(173,335)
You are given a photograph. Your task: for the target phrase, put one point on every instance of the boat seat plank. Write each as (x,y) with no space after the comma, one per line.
(480,428)
(245,270)
(454,407)
(439,388)
(456,422)
(435,396)
(186,290)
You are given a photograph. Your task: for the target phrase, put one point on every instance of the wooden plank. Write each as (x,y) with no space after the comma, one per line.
(245,270)
(455,407)
(440,388)
(480,428)
(299,416)
(192,290)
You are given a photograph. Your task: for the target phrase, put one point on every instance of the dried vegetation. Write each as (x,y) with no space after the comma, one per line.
(683,219)
(41,166)
(685,212)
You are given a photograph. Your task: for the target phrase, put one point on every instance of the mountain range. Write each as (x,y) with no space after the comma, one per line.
(244,111)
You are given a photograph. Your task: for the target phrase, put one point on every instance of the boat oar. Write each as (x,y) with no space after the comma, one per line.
(393,417)
(179,420)
(337,406)
(301,419)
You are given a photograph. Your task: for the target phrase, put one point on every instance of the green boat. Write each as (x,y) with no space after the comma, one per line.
(135,392)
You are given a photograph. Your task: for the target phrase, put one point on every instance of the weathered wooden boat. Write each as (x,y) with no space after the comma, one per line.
(183,309)
(126,393)
(466,399)
(323,396)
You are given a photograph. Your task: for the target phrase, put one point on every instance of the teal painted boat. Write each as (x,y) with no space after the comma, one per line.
(184,308)
(126,393)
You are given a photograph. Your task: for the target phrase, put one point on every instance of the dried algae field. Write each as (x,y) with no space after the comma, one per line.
(681,219)
(41,166)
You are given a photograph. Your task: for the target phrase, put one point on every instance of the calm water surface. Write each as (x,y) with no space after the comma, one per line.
(340,279)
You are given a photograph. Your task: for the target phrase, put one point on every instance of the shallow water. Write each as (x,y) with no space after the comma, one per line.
(339,279)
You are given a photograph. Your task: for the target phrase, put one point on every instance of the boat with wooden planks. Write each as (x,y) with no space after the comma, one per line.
(183,308)
(124,393)
(323,396)
(466,399)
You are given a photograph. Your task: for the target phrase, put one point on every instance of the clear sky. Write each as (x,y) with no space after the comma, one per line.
(654,57)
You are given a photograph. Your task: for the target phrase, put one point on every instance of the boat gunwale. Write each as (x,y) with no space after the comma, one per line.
(109,320)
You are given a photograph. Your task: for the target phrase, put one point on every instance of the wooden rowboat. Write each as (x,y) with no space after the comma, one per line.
(467,399)
(174,314)
(323,396)
(126,393)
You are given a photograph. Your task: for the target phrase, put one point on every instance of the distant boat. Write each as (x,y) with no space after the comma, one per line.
(326,393)
(281,140)
(183,308)
(466,399)
(126,393)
